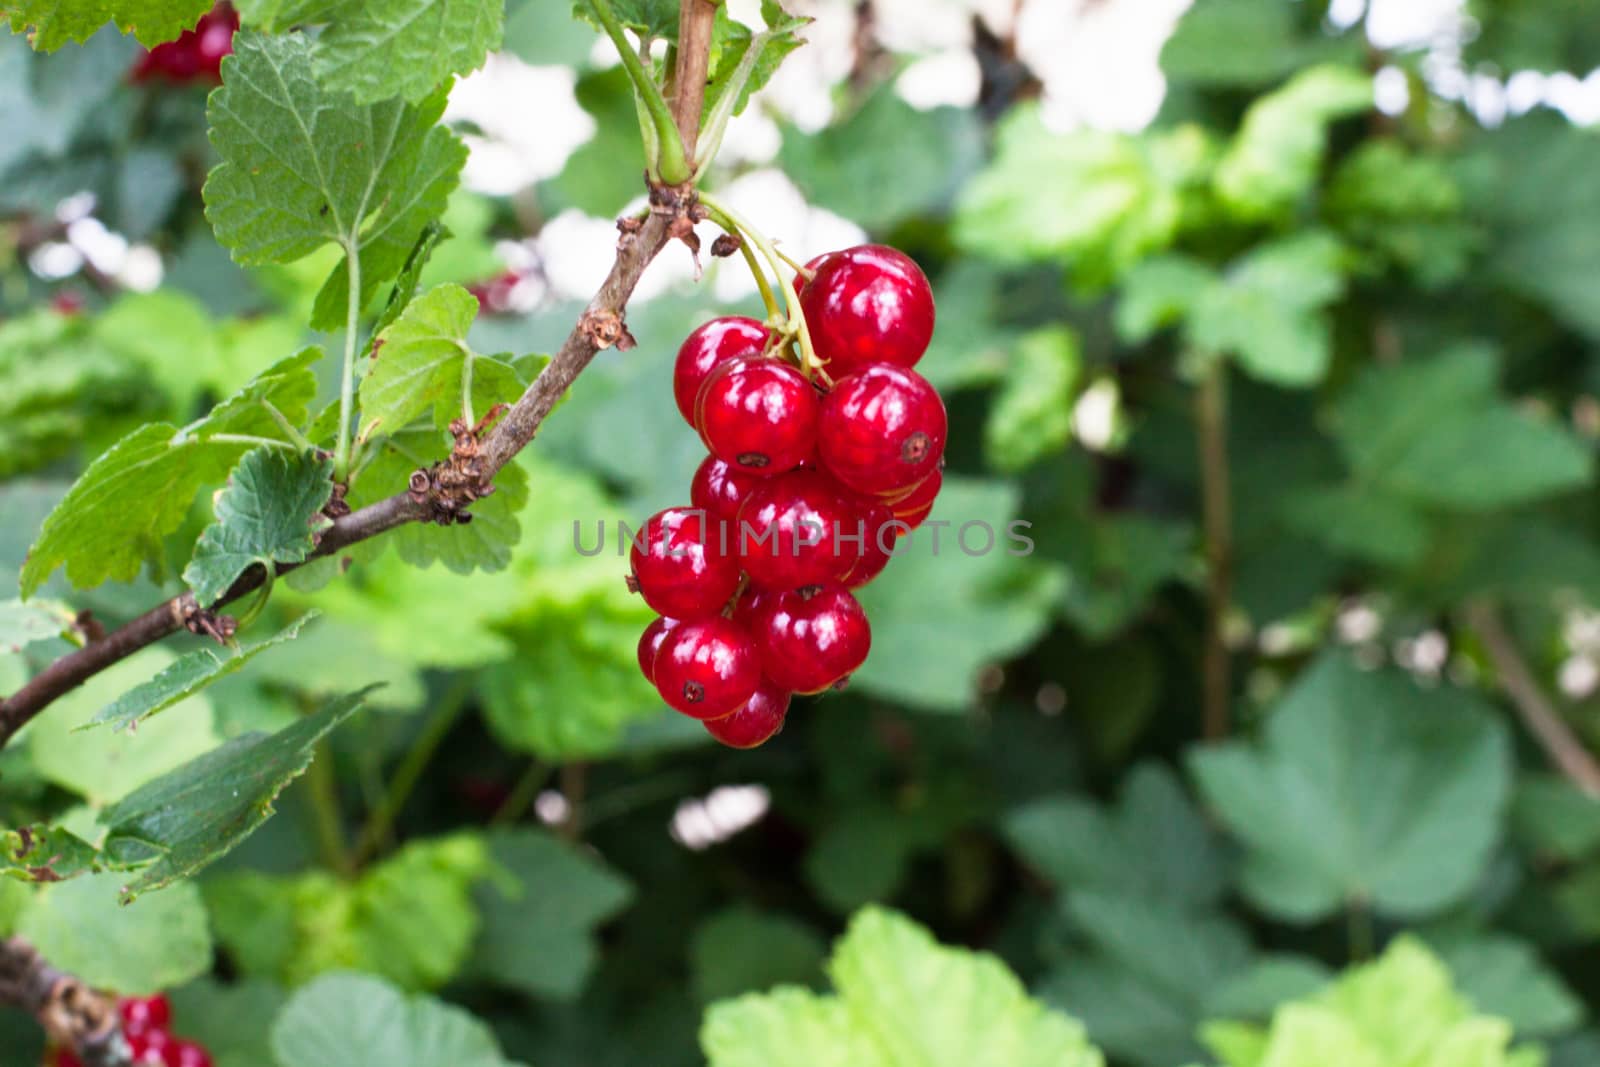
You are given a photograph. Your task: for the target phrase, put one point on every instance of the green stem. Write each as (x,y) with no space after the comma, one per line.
(325,809)
(522,795)
(250,439)
(347,380)
(797,328)
(466,391)
(774,313)
(253,612)
(671,166)
(446,713)
(286,426)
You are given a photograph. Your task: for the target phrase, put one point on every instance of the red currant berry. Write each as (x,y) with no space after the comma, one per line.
(146,1013)
(67,1058)
(868,304)
(874,524)
(150,1047)
(707,669)
(188,1054)
(650,644)
(759,416)
(719,488)
(789,531)
(214,39)
(748,608)
(757,722)
(707,348)
(681,565)
(814,264)
(916,505)
(882,429)
(812,639)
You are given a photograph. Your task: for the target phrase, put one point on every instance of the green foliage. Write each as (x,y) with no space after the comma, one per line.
(902,999)
(270,513)
(405,48)
(425,364)
(52,23)
(158,942)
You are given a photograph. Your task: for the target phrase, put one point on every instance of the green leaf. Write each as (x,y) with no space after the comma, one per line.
(649,18)
(540,914)
(343,1020)
(155,944)
(197,813)
(903,1001)
(977,603)
(23,624)
(104,765)
(46,854)
(1504,976)
(1555,817)
(1367,790)
(1032,412)
(1272,163)
(409,919)
(233,1021)
(270,513)
(1116,566)
(732,40)
(116,514)
(405,48)
(1358,522)
(739,951)
(303,167)
(1158,293)
(52,23)
(184,677)
(1153,844)
(1232,43)
(545,33)
(860,858)
(424,362)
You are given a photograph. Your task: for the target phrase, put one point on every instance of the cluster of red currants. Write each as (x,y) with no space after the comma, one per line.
(146,1023)
(809,482)
(196,56)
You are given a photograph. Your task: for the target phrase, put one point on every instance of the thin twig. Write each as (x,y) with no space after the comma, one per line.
(1211,427)
(1538,713)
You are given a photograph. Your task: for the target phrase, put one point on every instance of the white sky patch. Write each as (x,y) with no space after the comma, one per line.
(1100,63)
(1412,23)
(949,78)
(513,152)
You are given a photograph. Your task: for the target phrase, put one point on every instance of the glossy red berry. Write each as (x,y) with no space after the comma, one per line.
(812,265)
(707,669)
(681,564)
(188,1054)
(868,304)
(813,639)
(788,533)
(213,39)
(146,1013)
(707,348)
(882,429)
(874,524)
(759,416)
(150,1047)
(757,722)
(67,1058)
(719,489)
(650,644)
(915,506)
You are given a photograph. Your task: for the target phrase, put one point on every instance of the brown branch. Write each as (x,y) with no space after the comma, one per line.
(74,1015)
(1538,713)
(1211,428)
(695,21)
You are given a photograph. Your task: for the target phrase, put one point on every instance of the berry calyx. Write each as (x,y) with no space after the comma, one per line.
(788,535)
(758,415)
(650,644)
(868,304)
(882,429)
(681,565)
(812,639)
(146,1013)
(707,669)
(719,489)
(915,506)
(706,349)
(757,722)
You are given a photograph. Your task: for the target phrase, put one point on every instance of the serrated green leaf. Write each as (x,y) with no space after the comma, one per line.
(115,515)
(185,677)
(1366,789)
(731,42)
(270,513)
(344,1019)
(540,913)
(52,23)
(651,18)
(303,167)
(405,286)
(197,813)
(1032,413)
(278,16)
(405,48)
(423,361)
(47,854)
(160,942)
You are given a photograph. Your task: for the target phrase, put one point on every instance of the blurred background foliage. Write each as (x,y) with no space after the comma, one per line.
(1358,270)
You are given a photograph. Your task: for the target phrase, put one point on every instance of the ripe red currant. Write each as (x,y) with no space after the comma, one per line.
(812,639)
(757,722)
(707,669)
(708,347)
(146,1013)
(759,416)
(67,1058)
(874,523)
(681,565)
(188,1054)
(788,535)
(214,39)
(882,429)
(915,506)
(650,644)
(868,304)
(812,265)
(150,1047)
(719,488)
